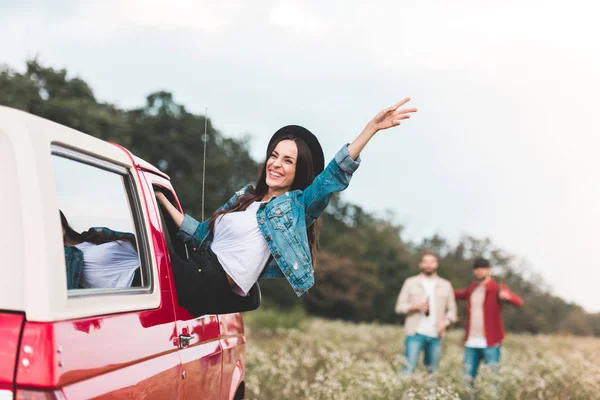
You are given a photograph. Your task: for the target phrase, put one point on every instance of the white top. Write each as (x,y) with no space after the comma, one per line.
(427,324)
(476,337)
(476,342)
(108,265)
(241,247)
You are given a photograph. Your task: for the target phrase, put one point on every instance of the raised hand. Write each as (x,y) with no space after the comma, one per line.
(392,116)
(388,118)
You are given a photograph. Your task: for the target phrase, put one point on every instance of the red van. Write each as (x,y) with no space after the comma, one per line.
(132,342)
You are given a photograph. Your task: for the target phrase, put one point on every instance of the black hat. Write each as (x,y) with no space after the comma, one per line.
(310,139)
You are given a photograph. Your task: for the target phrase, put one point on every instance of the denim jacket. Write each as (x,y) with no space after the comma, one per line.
(74,257)
(283,222)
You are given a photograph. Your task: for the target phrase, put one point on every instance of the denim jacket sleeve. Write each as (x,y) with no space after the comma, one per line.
(193,232)
(334,178)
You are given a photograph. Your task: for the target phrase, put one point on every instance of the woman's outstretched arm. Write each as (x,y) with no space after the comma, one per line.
(338,172)
(388,118)
(173,212)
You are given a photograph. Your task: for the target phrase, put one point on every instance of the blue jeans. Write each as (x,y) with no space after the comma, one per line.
(412,349)
(473,357)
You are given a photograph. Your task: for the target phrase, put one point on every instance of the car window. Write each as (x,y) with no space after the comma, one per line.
(98,218)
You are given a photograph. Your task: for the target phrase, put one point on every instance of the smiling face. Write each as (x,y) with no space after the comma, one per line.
(281,166)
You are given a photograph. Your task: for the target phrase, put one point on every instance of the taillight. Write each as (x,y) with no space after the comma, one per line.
(24,394)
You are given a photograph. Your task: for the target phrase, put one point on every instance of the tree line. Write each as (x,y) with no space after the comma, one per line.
(363,258)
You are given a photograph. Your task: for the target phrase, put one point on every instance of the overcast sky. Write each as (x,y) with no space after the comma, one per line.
(505,143)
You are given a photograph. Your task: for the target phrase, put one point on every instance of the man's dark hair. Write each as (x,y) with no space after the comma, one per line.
(427,252)
(481,262)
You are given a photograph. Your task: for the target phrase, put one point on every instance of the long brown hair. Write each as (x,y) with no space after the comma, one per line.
(305,175)
(91,235)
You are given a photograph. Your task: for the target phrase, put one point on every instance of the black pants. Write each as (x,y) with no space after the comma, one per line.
(202,286)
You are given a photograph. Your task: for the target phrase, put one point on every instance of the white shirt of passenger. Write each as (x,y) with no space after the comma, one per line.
(108,265)
(428,324)
(240,247)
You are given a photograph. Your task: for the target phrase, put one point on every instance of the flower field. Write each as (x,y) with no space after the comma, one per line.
(321,359)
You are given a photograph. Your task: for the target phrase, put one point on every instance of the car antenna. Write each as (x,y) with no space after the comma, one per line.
(205,139)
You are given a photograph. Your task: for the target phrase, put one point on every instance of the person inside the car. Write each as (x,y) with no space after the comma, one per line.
(99,257)
(271,229)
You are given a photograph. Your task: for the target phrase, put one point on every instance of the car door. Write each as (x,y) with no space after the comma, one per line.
(198,338)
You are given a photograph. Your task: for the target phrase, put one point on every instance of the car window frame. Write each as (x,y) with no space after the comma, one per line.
(137,213)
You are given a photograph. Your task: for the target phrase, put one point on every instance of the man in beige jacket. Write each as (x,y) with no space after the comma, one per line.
(428,302)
